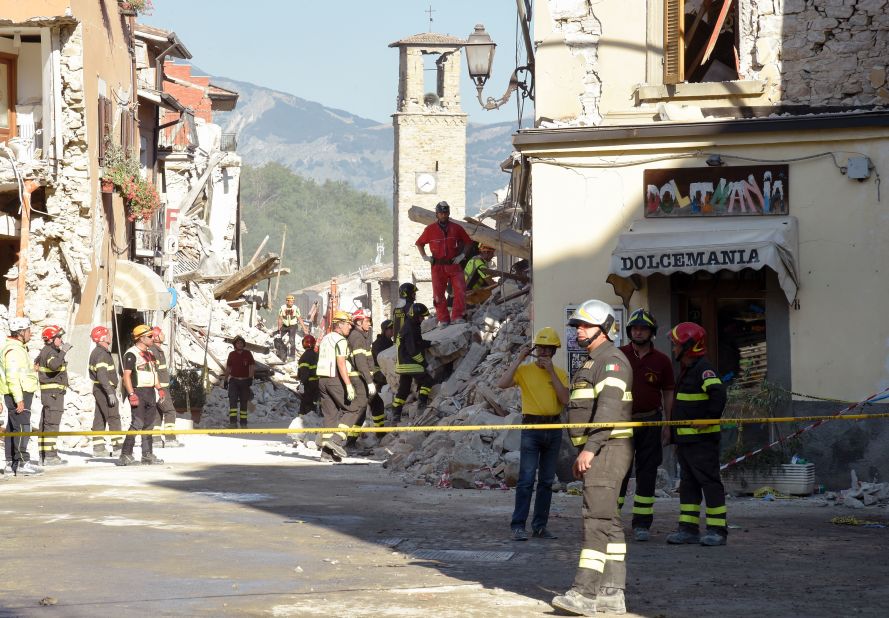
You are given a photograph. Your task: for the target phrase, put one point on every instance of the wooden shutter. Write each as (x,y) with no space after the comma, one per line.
(674,41)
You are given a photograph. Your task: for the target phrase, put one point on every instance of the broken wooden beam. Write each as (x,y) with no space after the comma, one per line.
(253,272)
(508,241)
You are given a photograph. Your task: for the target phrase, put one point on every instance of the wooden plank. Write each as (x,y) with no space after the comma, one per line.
(508,241)
(246,277)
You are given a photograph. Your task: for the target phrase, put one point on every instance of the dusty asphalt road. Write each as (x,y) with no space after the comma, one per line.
(249,526)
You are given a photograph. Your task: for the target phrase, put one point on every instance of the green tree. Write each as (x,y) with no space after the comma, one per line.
(332,228)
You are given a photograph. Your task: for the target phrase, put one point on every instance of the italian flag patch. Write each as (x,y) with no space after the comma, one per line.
(612,367)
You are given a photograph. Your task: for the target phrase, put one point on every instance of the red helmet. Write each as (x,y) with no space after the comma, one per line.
(308,342)
(360,315)
(692,337)
(98,333)
(51,332)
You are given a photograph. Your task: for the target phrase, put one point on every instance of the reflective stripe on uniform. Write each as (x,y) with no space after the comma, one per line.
(592,393)
(710,382)
(626,432)
(690,513)
(48,370)
(692,396)
(616,551)
(49,387)
(579,440)
(693,431)
(593,560)
(643,505)
(713,518)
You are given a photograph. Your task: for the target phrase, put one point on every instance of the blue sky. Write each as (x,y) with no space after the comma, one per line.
(336,53)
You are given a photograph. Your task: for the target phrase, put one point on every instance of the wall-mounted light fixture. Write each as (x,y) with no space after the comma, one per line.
(715,160)
(479,60)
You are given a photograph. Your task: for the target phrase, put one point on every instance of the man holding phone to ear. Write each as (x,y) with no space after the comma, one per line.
(544,389)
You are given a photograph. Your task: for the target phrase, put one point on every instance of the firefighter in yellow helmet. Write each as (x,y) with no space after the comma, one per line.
(544,387)
(335,384)
(143,389)
(289,318)
(476,271)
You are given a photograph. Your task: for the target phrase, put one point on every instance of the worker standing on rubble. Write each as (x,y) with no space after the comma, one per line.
(103,373)
(700,394)
(18,382)
(307,373)
(476,271)
(382,342)
(143,390)
(288,319)
(448,243)
(410,362)
(166,413)
(240,367)
(337,391)
(653,387)
(544,389)
(52,371)
(407,295)
(361,373)
(600,392)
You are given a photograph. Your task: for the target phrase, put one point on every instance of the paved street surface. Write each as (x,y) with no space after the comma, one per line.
(251,526)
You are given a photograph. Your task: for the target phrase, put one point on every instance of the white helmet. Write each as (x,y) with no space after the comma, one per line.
(595,313)
(19,324)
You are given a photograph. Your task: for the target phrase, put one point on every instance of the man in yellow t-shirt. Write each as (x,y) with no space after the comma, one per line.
(544,389)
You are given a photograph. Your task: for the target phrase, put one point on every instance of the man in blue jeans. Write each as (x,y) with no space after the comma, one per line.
(544,389)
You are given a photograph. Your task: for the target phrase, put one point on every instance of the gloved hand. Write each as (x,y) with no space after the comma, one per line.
(161,395)
(372,389)
(428,258)
(65,347)
(458,259)
(350,392)
(112,399)
(133,399)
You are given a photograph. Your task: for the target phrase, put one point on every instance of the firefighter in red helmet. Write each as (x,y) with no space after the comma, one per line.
(307,372)
(52,372)
(700,394)
(103,374)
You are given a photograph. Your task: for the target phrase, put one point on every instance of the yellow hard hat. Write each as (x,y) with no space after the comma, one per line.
(290,297)
(341,316)
(483,247)
(547,336)
(141,331)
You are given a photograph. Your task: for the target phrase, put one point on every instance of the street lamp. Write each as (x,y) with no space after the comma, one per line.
(479,60)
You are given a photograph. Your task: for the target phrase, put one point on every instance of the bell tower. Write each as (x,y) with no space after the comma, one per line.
(430,145)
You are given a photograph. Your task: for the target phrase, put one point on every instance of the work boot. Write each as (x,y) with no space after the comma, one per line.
(575,604)
(53,460)
(126,460)
(683,537)
(243,423)
(151,459)
(100,451)
(115,452)
(641,534)
(611,601)
(172,442)
(519,534)
(713,539)
(336,449)
(232,423)
(329,455)
(28,468)
(157,442)
(543,533)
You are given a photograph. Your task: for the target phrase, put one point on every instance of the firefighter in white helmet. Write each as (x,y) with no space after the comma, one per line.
(600,392)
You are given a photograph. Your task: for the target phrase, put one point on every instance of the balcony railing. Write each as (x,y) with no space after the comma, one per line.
(228,142)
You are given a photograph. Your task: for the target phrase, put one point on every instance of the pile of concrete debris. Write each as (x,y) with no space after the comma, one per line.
(860,494)
(471,357)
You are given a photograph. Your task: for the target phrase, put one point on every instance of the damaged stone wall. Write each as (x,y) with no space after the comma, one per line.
(581,30)
(61,248)
(825,52)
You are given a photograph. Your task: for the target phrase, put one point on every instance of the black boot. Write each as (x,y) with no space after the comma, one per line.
(148,456)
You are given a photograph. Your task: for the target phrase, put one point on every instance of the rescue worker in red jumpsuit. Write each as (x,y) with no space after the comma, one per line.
(448,243)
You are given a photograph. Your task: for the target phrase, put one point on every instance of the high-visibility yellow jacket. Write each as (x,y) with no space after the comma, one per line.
(332,345)
(18,375)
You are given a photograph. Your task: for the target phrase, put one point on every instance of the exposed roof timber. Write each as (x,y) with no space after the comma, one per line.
(41,22)
(163,40)
(162,99)
(533,137)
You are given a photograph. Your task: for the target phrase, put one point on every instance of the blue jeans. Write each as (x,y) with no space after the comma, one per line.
(540,454)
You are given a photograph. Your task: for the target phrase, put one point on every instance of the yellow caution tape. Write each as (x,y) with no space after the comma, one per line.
(429,428)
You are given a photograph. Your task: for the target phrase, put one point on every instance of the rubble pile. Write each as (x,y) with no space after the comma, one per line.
(860,494)
(476,354)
